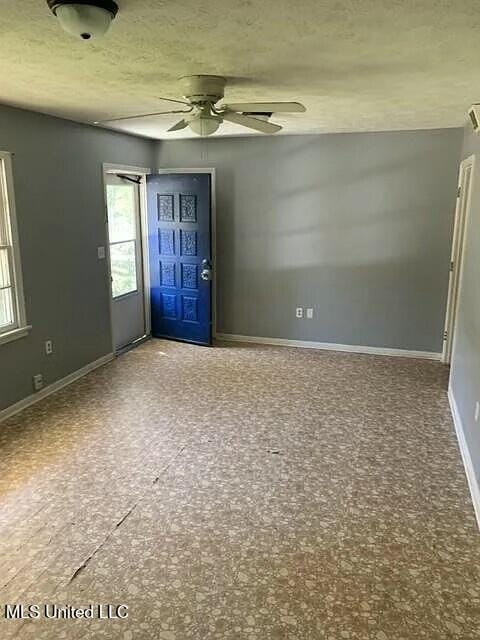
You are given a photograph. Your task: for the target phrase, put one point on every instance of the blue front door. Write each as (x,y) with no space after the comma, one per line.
(179,212)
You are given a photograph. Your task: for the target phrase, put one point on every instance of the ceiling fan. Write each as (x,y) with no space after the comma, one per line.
(204,116)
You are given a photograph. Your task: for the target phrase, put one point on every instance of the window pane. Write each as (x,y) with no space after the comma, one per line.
(121,212)
(4,269)
(124,269)
(10,308)
(6,308)
(3,206)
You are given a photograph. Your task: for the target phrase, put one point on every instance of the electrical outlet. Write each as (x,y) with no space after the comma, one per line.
(48,347)
(477,411)
(309,313)
(299,312)
(38,382)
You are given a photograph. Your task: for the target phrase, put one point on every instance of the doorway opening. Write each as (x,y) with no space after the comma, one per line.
(125,198)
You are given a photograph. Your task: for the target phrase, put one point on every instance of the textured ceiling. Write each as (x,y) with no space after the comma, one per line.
(357,65)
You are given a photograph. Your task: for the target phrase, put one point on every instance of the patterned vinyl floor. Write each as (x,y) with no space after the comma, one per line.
(241,492)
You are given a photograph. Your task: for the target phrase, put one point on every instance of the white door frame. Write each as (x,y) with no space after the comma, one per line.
(462,212)
(141,172)
(213,229)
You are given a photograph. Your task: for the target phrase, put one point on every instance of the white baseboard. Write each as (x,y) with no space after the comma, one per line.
(328,346)
(52,388)
(467,460)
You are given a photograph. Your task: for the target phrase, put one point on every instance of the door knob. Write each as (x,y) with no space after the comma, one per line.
(206,274)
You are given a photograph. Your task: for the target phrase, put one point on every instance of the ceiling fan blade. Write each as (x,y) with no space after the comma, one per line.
(251,123)
(266,107)
(172,100)
(143,115)
(179,125)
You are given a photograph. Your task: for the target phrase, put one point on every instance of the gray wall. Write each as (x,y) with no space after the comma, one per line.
(357,226)
(465,372)
(60,208)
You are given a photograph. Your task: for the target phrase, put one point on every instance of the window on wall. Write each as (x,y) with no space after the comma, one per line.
(12,308)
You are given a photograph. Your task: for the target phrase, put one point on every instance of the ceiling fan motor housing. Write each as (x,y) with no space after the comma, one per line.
(203,88)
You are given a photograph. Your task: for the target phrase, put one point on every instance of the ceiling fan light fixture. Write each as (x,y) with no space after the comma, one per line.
(204,125)
(86,20)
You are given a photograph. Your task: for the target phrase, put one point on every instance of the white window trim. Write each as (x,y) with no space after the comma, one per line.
(21,327)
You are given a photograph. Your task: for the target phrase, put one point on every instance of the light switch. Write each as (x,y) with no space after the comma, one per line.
(309,313)
(101,253)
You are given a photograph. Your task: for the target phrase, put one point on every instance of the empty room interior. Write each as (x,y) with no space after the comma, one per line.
(239,320)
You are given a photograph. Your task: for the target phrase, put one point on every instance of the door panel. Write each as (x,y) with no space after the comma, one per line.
(179,213)
(462,213)
(124,231)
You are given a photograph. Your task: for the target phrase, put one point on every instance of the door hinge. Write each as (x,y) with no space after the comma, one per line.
(459,191)
(451,266)
(445,335)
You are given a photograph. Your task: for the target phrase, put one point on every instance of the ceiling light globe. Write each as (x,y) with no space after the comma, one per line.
(85,20)
(204,125)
